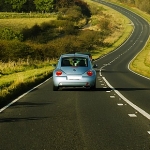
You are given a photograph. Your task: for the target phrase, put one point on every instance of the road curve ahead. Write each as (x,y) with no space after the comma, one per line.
(113,117)
(114,67)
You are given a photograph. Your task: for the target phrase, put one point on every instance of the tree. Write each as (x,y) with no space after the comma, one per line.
(63,3)
(84,7)
(29,6)
(16,4)
(44,5)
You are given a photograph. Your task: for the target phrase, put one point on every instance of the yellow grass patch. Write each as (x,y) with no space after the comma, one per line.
(141,64)
(10,83)
(19,23)
(22,76)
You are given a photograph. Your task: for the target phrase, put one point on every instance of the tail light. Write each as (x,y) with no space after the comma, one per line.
(58,73)
(89,73)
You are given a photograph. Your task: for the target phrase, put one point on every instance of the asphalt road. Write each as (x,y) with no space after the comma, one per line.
(113,117)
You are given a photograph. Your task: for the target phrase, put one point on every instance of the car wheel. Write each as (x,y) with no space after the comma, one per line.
(55,88)
(93,87)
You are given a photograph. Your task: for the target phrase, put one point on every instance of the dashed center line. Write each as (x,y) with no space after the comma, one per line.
(112,96)
(141,111)
(132,115)
(108,91)
(119,104)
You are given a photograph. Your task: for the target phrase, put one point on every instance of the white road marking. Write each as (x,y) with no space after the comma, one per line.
(119,104)
(141,111)
(132,115)
(108,91)
(5,107)
(112,96)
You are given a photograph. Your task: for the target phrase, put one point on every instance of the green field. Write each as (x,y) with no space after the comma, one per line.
(20,23)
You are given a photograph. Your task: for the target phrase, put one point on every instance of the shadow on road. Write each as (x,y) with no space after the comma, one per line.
(30,104)
(103,89)
(9,120)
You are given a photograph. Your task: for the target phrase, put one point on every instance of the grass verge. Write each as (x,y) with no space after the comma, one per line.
(19,83)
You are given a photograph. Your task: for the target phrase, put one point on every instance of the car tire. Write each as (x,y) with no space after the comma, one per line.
(93,87)
(55,88)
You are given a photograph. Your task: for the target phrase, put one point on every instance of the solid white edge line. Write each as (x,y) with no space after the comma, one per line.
(144,113)
(15,100)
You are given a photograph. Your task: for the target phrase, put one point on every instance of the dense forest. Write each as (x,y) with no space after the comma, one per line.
(143,5)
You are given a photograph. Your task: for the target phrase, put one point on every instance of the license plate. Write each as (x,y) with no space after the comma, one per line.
(74,77)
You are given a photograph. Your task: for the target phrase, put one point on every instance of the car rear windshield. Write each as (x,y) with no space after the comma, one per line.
(74,61)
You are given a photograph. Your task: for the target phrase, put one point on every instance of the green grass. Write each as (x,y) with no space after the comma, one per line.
(141,63)
(17,83)
(26,15)
(17,21)
(22,76)
(17,77)
(20,23)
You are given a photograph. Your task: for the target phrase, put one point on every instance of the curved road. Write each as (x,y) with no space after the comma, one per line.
(113,117)
(115,66)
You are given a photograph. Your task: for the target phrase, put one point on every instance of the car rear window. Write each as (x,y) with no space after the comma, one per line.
(74,61)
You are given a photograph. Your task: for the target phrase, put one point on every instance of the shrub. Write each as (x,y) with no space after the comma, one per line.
(84,7)
(73,14)
(90,39)
(13,50)
(48,31)
(8,34)
(31,33)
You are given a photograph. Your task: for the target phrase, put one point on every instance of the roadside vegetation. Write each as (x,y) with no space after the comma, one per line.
(30,47)
(141,63)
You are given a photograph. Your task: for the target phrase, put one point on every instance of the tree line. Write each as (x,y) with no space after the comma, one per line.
(40,5)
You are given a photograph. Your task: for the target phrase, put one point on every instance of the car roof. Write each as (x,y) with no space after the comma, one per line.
(86,53)
(75,55)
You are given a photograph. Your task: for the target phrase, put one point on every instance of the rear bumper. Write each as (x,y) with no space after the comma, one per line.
(84,82)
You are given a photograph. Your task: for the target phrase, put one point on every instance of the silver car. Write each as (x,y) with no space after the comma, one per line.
(74,70)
